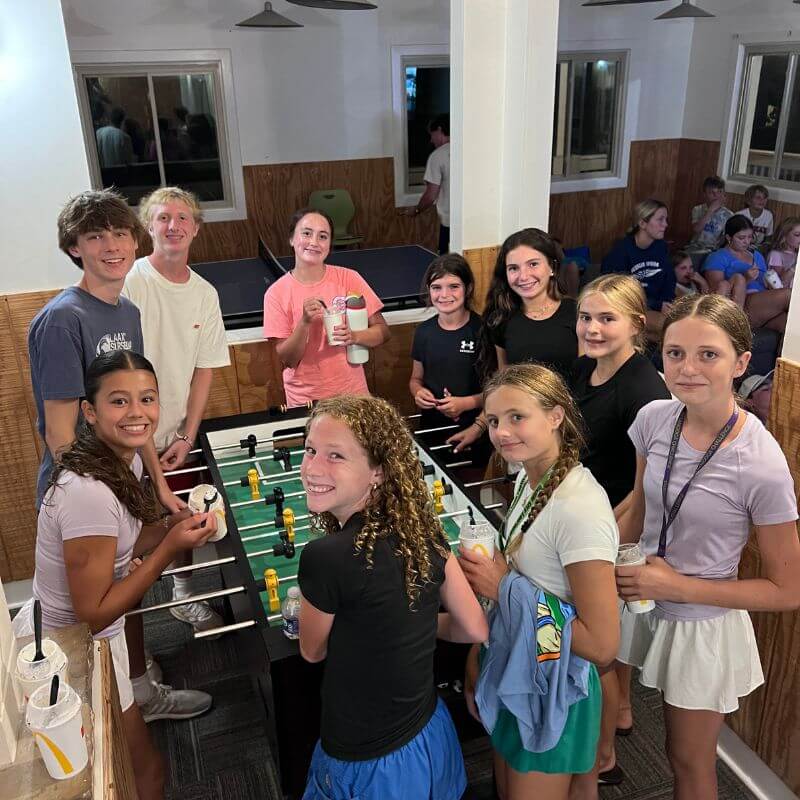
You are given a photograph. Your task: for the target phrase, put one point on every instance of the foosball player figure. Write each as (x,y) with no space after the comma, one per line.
(286,545)
(251,480)
(438,491)
(276,498)
(271,582)
(283,455)
(250,443)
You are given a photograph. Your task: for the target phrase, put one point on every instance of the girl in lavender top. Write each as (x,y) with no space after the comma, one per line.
(698,646)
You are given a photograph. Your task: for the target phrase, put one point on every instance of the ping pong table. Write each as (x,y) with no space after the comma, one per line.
(394,273)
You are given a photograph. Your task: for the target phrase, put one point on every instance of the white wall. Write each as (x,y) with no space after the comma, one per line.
(713,53)
(318,93)
(42,158)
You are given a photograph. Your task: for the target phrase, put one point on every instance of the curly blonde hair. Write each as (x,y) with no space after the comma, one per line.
(401,507)
(549,390)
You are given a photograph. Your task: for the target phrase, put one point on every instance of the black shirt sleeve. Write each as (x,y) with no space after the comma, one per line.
(646,386)
(418,346)
(329,572)
(497,335)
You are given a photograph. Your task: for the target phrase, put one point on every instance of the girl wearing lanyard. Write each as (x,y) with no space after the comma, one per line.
(706,471)
(561,534)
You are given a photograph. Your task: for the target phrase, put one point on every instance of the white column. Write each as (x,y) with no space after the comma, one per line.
(42,152)
(502,67)
(791,339)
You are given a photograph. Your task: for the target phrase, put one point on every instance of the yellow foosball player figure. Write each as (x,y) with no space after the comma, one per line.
(271,581)
(252,479)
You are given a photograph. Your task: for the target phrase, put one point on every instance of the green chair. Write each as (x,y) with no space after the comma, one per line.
(338,205)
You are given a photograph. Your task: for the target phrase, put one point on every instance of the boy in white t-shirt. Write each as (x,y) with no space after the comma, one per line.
(757,212)
(184,339)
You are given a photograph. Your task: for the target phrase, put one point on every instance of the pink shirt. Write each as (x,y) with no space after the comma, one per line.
(323,370)
(782,259)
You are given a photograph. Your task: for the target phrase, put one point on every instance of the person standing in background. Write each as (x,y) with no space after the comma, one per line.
(437,179)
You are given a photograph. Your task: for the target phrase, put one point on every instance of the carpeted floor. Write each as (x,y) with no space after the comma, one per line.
(225,754)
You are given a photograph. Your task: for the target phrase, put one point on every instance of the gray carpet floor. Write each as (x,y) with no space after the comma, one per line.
(225,754)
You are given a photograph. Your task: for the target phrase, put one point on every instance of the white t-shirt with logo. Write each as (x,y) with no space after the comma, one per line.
(183,329)
(762,224)
(437,171)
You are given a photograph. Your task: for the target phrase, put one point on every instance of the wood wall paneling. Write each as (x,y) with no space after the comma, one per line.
(258,376)
(223,399)
(392,368)
(482,261)
(19,461)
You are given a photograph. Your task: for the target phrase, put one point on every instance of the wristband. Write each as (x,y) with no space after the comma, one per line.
(482,426)
(184,438)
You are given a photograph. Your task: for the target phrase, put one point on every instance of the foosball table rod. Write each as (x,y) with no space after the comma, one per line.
(197,598)
(235,626)
(217,562)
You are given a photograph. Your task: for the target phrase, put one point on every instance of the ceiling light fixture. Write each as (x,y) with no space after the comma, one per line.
(684,11)
(335,5)
(268,19)
(591,3)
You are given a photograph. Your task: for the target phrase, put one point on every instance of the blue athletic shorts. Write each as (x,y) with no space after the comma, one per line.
(429,767)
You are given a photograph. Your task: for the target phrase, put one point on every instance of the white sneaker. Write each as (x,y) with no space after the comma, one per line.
(169,703)
(153,668)
(199,615)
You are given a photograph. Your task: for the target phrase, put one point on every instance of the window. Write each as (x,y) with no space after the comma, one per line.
(420,91)
(588,115)
(767,136)
(157,125)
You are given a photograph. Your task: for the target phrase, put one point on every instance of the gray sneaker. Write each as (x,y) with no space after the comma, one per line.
(169,703)
(199,615)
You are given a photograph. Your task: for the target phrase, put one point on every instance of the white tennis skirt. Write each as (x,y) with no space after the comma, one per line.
(705,664)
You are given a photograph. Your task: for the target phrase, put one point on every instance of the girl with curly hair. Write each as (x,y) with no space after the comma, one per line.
(96,517)
(371,594)
(560,533)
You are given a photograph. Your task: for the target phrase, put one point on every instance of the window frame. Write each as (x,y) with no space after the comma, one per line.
(154,63)
(792,50)
(617,175)
(403,56)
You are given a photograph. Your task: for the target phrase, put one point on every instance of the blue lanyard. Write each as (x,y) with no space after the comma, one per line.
(668,518)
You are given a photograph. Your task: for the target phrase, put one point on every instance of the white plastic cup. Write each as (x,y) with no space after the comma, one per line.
(772,279)
(58,730)
(32,674)
(197,504)
(630,555)
(331,317)
(479,538)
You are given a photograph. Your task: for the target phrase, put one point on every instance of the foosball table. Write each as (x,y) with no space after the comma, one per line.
(254,462)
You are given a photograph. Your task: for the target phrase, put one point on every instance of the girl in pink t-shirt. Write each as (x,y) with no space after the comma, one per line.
(293,317)
(783,256)
(707,471)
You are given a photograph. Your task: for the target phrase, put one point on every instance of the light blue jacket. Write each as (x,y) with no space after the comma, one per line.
(528,668)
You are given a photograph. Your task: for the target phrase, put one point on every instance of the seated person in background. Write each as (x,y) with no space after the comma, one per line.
(783,256)
(372,588)
(708,220)
(294,307)
(736,272)
(757,212)
(96,517)
(445,383)
(687,281)
(643,253)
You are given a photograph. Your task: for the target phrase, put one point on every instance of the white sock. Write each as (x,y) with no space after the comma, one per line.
(182,587)
(142,689)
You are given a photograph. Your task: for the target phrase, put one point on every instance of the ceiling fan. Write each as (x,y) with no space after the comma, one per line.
(683,11)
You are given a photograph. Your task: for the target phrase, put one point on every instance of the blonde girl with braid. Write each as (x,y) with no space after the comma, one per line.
(372,588)
(561,534)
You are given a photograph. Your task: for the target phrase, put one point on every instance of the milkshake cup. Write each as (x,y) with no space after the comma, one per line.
(478,537)
(630,555)
(332,317)
(58,730)
(197,504)
(32,674)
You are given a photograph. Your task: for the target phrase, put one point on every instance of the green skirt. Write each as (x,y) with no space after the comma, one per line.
(576,749)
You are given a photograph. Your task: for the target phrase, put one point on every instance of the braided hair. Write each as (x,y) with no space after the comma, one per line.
(400,508)
(548,389)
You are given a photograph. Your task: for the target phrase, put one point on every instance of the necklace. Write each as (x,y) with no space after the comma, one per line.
(538,313)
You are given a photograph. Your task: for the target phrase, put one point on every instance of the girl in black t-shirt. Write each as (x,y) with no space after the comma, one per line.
(610,384)
(371,593)
(444,380)
(527,318)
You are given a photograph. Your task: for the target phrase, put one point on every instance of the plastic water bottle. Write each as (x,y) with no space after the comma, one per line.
(358,320)
(290,611)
